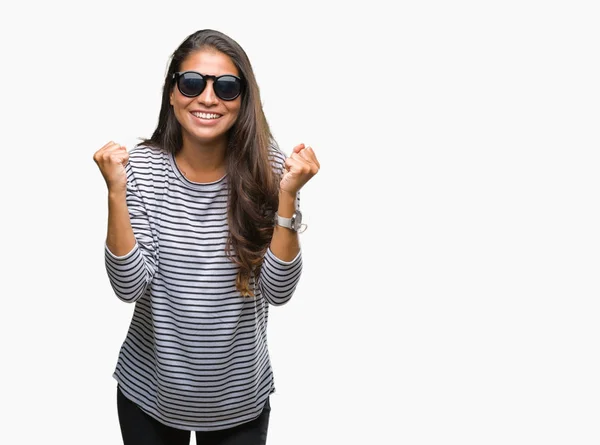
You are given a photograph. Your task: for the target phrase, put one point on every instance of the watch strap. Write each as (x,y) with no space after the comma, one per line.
(288,223)
(284,222)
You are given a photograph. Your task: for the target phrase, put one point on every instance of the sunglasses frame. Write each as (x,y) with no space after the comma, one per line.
(176,76)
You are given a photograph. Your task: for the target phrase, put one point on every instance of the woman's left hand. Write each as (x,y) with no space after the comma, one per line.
(299,168)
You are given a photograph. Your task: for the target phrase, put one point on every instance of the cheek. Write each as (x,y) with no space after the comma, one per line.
(179,103)
(235,109)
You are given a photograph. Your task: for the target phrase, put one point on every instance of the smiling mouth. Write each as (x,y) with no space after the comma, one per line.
(206,115)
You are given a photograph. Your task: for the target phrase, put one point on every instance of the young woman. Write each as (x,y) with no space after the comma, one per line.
(202,235)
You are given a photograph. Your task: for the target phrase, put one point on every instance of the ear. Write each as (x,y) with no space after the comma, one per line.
(171,98)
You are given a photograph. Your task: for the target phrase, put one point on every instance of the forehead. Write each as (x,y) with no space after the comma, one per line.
(209,61)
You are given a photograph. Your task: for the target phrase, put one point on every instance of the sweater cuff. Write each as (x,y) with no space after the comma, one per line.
(120,257)
(272,256)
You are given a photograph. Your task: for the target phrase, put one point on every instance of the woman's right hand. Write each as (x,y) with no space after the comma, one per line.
(111,160)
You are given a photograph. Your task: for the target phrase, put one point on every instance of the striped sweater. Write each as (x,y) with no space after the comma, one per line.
(195,356)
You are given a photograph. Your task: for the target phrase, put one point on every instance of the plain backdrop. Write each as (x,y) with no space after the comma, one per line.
(450,288)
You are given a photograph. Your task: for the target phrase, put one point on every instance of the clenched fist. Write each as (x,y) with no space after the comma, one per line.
(111,160)
(299,168)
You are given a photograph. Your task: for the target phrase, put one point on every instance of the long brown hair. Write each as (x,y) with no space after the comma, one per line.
(253,185)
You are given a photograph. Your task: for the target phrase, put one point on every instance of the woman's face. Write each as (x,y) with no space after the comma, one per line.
(205,119)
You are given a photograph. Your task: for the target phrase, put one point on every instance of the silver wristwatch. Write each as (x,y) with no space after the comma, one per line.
(294,223)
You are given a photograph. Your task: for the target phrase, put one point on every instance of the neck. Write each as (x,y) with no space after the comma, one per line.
(201,162)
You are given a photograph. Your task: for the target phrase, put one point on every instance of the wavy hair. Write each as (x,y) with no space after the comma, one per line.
(253,184)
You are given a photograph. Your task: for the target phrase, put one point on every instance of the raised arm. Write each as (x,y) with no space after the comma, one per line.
(282,264)
(298,169)
(130,248)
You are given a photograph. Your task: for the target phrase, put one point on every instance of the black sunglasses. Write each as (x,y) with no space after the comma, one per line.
(191,84)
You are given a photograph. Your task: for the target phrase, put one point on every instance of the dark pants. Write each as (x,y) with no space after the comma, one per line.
(138,428)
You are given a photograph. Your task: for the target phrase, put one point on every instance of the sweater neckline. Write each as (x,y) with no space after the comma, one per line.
(206,186)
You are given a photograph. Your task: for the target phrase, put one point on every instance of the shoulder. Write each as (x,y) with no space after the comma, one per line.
(147,163)
(144,154)
(276,157)
(144,158)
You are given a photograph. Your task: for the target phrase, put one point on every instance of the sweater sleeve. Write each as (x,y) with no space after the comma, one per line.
(278,279)
(131,274)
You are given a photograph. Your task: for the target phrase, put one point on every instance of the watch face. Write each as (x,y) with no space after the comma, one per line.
(297,220)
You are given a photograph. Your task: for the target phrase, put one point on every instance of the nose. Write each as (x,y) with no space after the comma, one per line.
(208,96)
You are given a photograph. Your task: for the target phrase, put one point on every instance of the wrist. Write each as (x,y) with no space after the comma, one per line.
(286,195)
(287,204)
(117,194)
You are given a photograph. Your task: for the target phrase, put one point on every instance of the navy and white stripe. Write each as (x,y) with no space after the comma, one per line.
(195,356)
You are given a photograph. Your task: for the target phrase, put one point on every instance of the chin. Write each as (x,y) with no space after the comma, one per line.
(208,136)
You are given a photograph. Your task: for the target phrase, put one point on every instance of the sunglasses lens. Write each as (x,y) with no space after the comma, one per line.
(191,84)
(228,87)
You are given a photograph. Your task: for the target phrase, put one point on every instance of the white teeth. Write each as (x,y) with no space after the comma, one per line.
(206,115)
